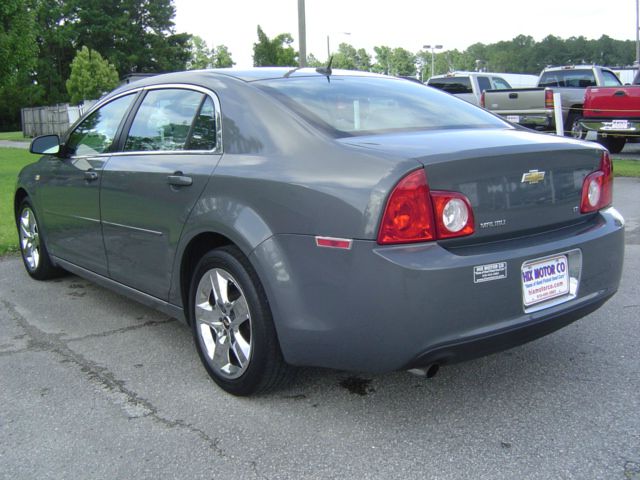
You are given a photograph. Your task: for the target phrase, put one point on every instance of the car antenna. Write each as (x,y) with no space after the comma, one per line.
(326,70)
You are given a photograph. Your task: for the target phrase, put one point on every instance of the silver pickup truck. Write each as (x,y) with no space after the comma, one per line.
(533,107)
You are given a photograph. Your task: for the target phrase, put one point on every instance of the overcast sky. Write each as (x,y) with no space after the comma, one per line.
(400,23)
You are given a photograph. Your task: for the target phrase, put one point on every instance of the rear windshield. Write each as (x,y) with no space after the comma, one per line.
(346,106)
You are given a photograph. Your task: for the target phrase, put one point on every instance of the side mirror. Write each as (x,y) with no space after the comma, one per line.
(45,145)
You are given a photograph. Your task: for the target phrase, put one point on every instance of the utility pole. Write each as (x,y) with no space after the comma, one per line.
(302,34)
(638,34)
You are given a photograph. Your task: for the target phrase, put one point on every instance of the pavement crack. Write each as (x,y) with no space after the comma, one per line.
(150,323)
(132,404)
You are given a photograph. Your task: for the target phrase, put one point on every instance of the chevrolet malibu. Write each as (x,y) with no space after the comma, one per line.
(323,218)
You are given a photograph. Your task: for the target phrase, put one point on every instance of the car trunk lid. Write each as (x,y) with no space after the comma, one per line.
(517,182)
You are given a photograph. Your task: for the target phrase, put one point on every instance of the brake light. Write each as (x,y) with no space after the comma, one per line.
(454,216)
(416,214)
(408,216)
(548,98)
(482,99)
(597,188)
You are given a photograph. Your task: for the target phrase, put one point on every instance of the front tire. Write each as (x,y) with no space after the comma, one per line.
(32,247)
(232,325)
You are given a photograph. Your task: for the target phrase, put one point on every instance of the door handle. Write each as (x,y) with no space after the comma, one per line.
(179,180)
(513,95)
(620,93)
(90,176)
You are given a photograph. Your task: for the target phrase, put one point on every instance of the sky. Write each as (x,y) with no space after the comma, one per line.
(410,24)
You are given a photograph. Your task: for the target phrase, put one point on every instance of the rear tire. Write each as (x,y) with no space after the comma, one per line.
(32,246)
(573,128)
(232,325)
(613,144)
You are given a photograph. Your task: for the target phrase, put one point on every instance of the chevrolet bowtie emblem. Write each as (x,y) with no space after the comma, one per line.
(532,176)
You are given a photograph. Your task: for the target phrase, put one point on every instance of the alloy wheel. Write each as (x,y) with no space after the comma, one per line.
(223,323)
(29,239)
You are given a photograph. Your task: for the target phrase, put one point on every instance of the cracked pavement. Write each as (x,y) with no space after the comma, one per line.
(95,386)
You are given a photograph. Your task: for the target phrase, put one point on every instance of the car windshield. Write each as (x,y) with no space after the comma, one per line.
(346,106)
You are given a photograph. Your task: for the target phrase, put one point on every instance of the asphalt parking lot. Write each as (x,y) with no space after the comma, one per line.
(95,386)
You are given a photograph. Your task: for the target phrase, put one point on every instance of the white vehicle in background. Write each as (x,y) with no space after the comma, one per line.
(470,85)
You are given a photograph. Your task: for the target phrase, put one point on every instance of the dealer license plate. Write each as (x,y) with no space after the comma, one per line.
(545,279)
(513,118)
(617,125)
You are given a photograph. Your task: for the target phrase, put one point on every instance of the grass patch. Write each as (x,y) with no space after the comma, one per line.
(14,136)
(626,168)
(11,162)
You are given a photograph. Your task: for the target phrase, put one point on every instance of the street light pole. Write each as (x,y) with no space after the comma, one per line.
(437,47)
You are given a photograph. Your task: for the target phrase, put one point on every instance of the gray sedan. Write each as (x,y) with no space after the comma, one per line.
(323,218)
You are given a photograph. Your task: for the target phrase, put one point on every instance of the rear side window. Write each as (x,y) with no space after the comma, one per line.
(500,83)
(610,79)
(569,79)
(171,120)
(95,134)
(452,84)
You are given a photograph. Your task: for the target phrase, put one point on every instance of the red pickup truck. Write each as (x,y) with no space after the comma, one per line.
(612,112)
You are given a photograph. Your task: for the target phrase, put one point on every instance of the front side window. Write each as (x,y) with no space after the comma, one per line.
(165,119)
(346,105)
(96,133)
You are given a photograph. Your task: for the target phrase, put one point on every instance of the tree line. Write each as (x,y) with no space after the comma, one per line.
(56,51)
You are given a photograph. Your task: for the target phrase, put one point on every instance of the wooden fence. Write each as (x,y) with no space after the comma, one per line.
(51,120)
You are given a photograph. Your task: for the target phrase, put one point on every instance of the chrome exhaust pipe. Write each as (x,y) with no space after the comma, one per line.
(427,372)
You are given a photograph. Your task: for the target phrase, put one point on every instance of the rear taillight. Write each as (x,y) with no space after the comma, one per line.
(482,99)
(597,188)
(416,214)
(408,216)
(548,98)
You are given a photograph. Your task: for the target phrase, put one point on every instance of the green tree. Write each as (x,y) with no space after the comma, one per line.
(346,57)
(276,52)
(201,54)
(18,55)
(133,35)
(312,61)
(383,60)
(91,76)
(403,63)
(222,57)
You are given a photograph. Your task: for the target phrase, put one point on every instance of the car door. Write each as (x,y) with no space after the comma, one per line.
(69,187)
(170,150)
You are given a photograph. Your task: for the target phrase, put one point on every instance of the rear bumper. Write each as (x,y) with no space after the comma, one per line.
(380,309)
(476,347)
(539,120)
(608,126)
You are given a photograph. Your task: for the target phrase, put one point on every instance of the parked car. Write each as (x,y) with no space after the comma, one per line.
(612,112)
(325,218)
(468,85)
(534,107)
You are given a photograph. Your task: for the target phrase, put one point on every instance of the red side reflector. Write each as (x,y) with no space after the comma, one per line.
(330,242)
